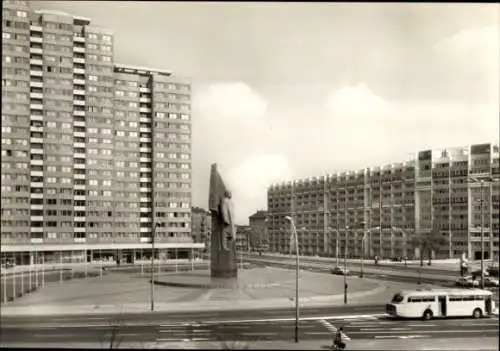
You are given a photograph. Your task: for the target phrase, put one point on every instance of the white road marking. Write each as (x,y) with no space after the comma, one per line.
(451,331)
(332,328)
(167,339)
(318,333)
(399,328)
(412,336)
(399,336)
(385,336)
(54,335)
(257,334)
(371,323)
(367,316)
(376,328)
(50,326)
(476,324)
(201,339)
(422,325)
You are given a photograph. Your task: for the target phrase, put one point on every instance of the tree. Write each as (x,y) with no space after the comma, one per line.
(427,242)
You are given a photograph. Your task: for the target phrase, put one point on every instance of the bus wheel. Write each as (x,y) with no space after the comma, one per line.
(477,313)
(427,315)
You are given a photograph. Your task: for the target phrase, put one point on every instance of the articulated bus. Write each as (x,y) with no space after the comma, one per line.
(441,303)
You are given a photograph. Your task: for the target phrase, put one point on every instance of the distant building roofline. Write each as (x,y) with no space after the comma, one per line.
(121,68)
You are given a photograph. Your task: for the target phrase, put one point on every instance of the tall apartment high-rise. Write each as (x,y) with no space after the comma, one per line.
(381,211)
(96,156)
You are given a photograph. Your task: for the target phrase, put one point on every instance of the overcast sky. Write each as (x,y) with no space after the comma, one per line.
(289,90)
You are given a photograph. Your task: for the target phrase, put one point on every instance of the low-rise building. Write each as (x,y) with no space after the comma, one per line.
(258,238)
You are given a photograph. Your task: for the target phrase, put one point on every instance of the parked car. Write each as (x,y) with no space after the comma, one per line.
(491,282)
(397,259)
(339,271)
(467,282)
(477,273)
(493,270)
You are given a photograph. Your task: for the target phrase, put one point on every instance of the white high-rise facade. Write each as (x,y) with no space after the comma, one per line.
(96,156)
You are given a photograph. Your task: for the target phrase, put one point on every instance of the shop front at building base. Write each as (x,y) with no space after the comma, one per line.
(95,253)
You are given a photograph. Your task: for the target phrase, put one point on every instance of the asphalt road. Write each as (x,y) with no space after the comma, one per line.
(266,328)
(189,316)
(400,266)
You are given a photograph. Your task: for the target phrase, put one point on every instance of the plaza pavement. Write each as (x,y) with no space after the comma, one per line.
(127,293)
(455,344)
(451,344)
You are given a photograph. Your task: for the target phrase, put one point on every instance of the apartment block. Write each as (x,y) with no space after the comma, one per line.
(201,225)
(96,156)
(380,211)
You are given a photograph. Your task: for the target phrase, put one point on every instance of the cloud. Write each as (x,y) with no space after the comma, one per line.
(232,102)
(469,61)
(476,40)
(232,127)
(357,102)
(250,179)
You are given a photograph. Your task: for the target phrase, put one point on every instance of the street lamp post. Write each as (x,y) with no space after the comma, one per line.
(482,236)
(482,224)
(337,247)
(296,279)
(152,267)
(362,254)
(345,266)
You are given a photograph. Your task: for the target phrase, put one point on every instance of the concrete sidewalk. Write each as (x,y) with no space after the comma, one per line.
(54,266)
(444,264)
(456,344)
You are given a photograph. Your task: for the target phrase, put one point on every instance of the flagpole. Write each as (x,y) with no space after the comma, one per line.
(13,278)
(61,267)
(22,274)
(43,269)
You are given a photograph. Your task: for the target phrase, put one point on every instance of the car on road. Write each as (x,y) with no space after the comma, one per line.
(339,271)
(467,282)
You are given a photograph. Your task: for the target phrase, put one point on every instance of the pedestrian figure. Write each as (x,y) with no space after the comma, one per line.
(338,344)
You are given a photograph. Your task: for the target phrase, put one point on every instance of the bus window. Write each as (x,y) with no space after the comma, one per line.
(422,299)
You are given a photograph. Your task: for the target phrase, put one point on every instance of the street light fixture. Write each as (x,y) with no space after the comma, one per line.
(152,266)
(290,219)
(405,240)
(482,181)
(345,265)
(361,275)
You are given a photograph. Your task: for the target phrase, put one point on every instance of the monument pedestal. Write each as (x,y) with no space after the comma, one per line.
(223,264)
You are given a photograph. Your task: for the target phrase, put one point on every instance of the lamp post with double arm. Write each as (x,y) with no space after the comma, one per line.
(483,180)
(290,219)
(153,238)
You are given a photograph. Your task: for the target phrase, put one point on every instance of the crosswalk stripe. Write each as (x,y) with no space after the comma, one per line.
(332,328)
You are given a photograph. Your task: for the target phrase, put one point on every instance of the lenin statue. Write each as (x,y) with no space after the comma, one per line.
(223,262)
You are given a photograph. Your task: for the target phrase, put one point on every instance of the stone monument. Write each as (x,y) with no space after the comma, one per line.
(223,263)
